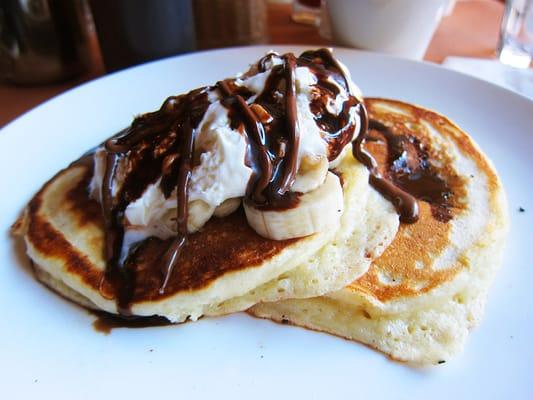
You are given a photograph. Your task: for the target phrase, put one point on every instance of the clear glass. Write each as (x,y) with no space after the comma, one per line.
(516,34)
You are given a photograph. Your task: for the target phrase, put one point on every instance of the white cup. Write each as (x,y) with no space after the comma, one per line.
(400,27)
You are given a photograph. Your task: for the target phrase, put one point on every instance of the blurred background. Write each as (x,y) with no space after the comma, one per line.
(49,46)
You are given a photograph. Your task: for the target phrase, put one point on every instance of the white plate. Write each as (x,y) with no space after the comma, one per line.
(49,348)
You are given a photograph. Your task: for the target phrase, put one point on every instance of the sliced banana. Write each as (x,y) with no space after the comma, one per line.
(227,207)
(317,211)
(199,213)
(311,174)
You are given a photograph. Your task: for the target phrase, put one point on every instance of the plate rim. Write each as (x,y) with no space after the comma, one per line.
(376,361)
(285,47)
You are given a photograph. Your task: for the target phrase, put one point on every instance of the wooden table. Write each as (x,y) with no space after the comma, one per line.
(471,31)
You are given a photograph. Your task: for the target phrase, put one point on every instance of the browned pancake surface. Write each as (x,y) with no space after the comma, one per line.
(224,244)
(407,263)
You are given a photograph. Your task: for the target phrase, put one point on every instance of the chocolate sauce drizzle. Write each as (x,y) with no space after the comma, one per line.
(261,160)
(405,204)
(278,142)
(161,144)
(408,173)
(330,75)
(171,129)
(289,171)
(184,174)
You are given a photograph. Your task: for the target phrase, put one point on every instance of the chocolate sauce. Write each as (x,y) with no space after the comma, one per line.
(261,164)
(326,68)
(407,176)
(273,146)
(290,159)
(106,322)
(182,197)
(161,144)
(146,146)
(261,64)
(330,78)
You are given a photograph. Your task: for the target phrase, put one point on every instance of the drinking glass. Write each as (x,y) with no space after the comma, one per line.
(516,34)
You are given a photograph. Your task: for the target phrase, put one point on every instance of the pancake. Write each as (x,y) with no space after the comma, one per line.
(63,231)
(368,225)
(419,299)
(221,198)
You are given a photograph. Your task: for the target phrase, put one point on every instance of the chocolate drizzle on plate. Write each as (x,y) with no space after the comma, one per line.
(106,322)
(161,145)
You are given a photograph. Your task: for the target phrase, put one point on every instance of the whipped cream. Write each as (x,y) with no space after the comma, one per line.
(221,170)
(222,174)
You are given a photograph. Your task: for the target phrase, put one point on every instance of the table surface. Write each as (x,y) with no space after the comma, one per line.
(470,31)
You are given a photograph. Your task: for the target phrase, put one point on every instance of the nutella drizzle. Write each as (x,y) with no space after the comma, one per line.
(164,141)
(173,123)
(293,130)
(409,176)
(182,197)
(330,75)
(260,155)
(405,204)
(409,169)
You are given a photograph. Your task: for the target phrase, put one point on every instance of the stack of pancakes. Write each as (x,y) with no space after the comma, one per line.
(418,299)
(411,290)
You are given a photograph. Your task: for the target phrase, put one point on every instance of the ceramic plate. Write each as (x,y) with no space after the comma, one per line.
(48,347)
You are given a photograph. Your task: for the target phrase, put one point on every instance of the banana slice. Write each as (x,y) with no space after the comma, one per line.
(227,207)
(317,211)
(199,213)
(311,174)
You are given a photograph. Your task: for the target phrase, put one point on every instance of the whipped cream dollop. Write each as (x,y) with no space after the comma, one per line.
(223,166)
